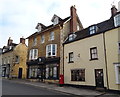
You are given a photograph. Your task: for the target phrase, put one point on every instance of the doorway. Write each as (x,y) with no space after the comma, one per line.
(99,78)
(20,73)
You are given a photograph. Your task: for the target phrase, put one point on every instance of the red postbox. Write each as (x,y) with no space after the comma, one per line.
(61,79)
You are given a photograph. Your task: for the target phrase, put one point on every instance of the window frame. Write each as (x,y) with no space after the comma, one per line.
(52,35)
(78,75)
(32,54)
(93,29)
(71,58)
(34,41)
(49,49)
(117,20)
(17,59)
(95,53)
(42,39)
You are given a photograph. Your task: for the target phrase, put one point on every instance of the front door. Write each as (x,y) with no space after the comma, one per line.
(99,78)
(20,73)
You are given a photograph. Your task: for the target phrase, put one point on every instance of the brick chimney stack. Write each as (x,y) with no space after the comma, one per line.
(113,10)
(10,41)
(73,21)
(22,40)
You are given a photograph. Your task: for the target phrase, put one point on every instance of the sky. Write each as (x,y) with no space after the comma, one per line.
(18,18)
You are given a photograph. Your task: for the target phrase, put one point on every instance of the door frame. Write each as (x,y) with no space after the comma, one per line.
(99,79)
(20,71)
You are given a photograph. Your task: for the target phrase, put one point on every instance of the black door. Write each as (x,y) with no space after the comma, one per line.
(99,78)
(20,73)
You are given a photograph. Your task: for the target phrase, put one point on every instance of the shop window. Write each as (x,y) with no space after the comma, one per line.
(78,75)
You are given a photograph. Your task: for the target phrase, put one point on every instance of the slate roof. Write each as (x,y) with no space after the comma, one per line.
(49,27)
(101,28)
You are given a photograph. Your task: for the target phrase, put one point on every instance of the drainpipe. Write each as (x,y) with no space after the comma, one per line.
(106,61)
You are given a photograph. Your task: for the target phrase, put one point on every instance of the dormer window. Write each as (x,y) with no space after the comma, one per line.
(55,21)
(39,28)
(93,29)
(72,36)
(117,20)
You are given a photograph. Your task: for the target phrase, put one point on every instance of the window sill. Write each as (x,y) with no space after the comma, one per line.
(71,62)
(93,59)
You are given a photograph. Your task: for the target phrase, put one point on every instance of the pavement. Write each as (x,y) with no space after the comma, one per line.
(66,89)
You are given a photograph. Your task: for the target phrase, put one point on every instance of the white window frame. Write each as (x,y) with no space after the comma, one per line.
(32,54)
(55,21)
(51,35)
(39,28)
(92,30)
(34,41)
(117,20)
(117,73)
(49,49)
(42,38)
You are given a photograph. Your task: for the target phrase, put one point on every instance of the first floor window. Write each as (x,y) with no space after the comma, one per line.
(78,75)
(93,53)
(33,54)
(51,50)
(71,57)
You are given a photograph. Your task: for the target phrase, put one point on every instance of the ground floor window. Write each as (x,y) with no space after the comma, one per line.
(117,71)
(52,71)
(36,72)
(78,75)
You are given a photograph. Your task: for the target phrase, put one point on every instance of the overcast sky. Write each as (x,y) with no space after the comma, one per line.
(19,17)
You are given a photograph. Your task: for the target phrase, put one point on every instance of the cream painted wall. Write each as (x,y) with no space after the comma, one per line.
(82,47)
(112,39)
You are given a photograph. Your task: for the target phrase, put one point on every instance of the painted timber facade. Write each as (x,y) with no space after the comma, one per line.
(92,56)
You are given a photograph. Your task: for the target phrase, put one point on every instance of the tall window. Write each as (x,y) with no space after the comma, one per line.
(34,41)
(42,39)
(51,35)
(51,50)
(93,29)
(93,53)
(117,20)
(78,75)
(33,54)
(71,57)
